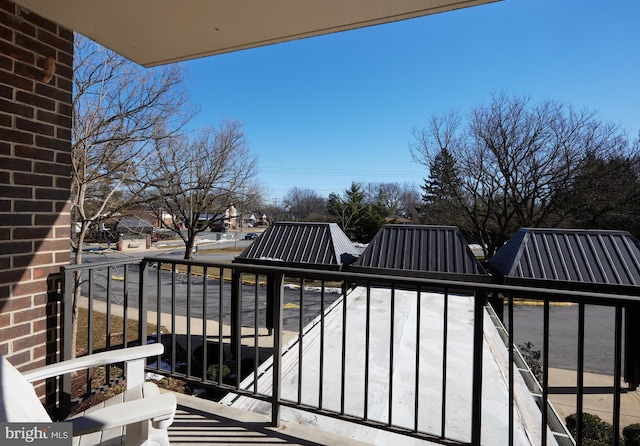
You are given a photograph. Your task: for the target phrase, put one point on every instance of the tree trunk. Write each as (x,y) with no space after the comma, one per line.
(77,290)
(188,249)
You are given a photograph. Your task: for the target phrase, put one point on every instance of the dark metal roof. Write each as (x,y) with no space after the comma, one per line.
(299,245)
(133,224)
(570,255)
(418,251)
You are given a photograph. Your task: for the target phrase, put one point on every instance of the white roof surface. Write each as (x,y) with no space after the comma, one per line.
(459,372)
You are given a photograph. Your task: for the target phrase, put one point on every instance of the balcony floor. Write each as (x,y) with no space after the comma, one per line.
(200,421)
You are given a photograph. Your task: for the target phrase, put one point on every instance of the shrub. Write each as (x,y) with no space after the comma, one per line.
(631,435)
(176,385)
(212,372)
(532,358)
(595,431)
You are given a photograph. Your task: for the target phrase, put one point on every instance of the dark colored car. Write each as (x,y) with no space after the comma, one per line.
(250,236)
(218,229)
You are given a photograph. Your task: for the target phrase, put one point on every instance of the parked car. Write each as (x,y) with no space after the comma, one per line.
(218,229)
(250,236)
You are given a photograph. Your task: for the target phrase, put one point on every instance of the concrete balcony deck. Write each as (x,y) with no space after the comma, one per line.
(199,421)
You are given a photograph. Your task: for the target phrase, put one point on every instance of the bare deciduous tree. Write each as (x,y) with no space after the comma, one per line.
(512,159)
(196,177)
(117,108)
(397,199)
(301,203)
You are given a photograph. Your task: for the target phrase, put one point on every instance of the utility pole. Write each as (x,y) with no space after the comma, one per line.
(275,207)
(242,206)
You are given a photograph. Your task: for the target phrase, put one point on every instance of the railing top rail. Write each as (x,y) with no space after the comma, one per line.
(97,265)
(603,295)
(586,293)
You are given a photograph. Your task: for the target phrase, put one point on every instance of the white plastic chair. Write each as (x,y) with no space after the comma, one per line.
(138,416)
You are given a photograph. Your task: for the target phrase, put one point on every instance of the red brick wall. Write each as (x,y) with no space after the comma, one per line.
(35,146)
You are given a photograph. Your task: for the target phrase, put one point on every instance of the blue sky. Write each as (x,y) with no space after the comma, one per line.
(322,112)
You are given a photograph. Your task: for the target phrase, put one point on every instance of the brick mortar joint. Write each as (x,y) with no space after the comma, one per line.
(27,37)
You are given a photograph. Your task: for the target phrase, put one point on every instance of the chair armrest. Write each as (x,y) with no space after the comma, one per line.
(94,360)
(156,409)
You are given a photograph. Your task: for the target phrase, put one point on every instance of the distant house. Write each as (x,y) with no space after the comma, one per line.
(250,220)
(230,215)
(211,220)
(398,220)
(166,219)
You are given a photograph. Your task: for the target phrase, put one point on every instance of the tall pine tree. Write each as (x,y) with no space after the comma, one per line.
(357,218)
(442,192)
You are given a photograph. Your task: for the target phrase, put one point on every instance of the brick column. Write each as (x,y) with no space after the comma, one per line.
(36,60)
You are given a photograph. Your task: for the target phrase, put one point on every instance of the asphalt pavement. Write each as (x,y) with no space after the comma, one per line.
(188,294)
(563,335)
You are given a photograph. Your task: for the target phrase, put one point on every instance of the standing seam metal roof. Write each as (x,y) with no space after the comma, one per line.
(418,250)
(300,244)
(571,255)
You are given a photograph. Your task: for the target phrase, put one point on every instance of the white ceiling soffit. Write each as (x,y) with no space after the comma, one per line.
(155,32)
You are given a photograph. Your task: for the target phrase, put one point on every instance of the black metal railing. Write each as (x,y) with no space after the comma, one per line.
(375,350)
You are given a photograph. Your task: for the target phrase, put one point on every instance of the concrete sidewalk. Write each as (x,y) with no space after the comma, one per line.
(598,397)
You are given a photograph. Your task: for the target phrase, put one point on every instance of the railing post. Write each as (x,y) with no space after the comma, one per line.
(617,373)
(579,370)
(480,298)
(270,300)
(278,302)
(55,294)
(143,298)
(69,278)
(236,316)
(632,346)
(497,303)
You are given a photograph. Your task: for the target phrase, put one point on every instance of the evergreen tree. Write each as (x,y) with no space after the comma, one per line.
(605,194)
(374,214)
(357,218)
(443,184)
(442,195)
